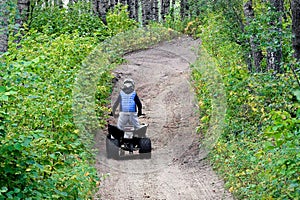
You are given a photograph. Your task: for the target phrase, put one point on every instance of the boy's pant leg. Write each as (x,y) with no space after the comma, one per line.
(135,120)
(122,120)
(125,117)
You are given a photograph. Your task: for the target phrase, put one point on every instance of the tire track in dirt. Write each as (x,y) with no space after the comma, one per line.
(177,169)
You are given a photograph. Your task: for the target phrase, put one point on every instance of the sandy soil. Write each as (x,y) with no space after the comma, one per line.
(177,169)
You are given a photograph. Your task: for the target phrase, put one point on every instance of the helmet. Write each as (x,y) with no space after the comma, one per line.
(128,82)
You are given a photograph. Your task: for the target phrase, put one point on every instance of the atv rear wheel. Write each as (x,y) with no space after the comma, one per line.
(145,145)
(112,148)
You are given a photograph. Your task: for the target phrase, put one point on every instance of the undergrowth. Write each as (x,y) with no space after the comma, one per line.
(258,151)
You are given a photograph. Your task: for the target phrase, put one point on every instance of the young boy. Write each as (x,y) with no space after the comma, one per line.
(129,102)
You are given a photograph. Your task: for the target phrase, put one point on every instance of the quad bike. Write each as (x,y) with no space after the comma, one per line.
(128,140)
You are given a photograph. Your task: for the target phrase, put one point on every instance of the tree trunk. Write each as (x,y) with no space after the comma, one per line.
(48,3)
(59,3)
(4,26)
(151,10)
(70,1)
(155,11)
(183,6)
(143,4)
(103,8)
(172,10)
(137,7)
(23,9)
(132,10)
(165,8)
(96,7)
(124,2)
(187,9)
(295,6)
(146,11)
(153,5)
(274,52)
(256,52)
(112,4)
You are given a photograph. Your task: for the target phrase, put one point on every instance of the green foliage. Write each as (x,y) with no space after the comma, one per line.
(266,36)
(174,21)
(212,104)
(193,28)
(78,17)
(103,90)
(225,21)
(258,151)
(136,39)
(229,12)
(118,20)
(42,154)
(261,156)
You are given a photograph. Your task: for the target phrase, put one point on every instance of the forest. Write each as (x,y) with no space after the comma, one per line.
(46,46)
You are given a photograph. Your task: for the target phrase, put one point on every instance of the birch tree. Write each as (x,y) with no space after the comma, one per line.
(96,7)
(146,10)
(23,11)
(133,9)
(103,8)
(165,8)
(112,3)
(3,25)
(256,53)
(183,8)
(155,10)
(274,52)
(59,3)
(172,10)
(151,10)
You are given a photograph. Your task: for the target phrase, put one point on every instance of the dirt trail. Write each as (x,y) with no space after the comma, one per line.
(177,169)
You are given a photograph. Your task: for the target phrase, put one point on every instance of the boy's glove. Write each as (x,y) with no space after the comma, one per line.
(139,113)
(114,115)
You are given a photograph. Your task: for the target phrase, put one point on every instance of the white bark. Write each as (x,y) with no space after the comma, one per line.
(3,26)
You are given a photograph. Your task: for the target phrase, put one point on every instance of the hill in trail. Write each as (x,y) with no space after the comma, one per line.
(177,169)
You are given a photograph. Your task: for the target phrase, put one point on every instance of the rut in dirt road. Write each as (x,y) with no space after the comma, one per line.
(177,169)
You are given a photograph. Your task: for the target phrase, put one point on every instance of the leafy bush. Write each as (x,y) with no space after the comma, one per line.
(258,151)
(118,20)
(260,144)
(175,22)
(42,154)
(76,18)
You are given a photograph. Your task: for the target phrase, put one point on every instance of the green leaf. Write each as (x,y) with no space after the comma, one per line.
(2,89)
(18,146)
(3,189)
(53,156)
(11,93)
(4,98)
(268,145)
(297,94)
